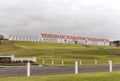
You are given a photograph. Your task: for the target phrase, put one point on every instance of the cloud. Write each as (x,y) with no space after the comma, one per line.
(98,18)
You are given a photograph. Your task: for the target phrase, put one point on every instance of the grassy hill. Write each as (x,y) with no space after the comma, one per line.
(68,52)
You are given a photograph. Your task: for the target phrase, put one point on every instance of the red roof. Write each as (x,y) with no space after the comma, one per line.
(73,37)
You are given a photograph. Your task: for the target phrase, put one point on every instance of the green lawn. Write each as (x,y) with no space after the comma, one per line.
(97,76)
(68,52)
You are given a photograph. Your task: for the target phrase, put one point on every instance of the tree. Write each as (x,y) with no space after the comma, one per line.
(1,37)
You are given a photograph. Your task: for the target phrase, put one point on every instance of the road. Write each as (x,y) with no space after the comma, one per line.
(42,70)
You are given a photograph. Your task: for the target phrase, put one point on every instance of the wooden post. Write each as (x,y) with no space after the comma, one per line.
(80,62)
(43,61)
(95,62)
(110,65)
(28,69)
(52,62)
(76,67)
(62,62)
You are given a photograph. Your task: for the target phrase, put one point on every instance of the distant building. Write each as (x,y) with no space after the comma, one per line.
(12,59)
(24,38)
(57,38)
(112,44)
(115,43)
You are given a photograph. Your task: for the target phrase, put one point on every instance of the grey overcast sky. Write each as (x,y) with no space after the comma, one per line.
(93,18)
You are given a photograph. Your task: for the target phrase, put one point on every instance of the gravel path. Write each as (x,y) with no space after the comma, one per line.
(41,70)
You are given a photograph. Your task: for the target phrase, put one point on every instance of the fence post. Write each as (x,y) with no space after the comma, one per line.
(28,69)
(95,62)
(110,65)
(76,67)
(62,62)
(52,62)
(80,62)
(43,61)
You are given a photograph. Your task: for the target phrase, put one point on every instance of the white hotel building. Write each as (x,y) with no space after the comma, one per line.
(24,38)
(57,38)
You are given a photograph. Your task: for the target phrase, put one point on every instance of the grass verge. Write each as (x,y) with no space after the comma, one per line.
(97,76)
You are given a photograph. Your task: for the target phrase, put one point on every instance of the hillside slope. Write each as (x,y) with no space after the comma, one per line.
(68,52)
